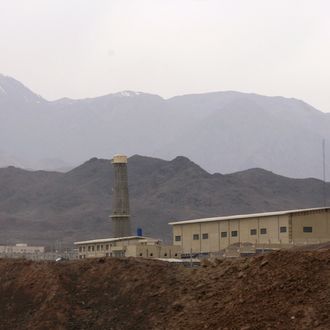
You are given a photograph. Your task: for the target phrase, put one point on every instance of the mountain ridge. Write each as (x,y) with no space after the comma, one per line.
(40,207)
(220,131)
(4,77)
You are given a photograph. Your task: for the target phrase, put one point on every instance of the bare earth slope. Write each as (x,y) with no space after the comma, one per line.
(41,207)
(282,290)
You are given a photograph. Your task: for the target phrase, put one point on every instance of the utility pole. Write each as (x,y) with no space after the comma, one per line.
(324,176)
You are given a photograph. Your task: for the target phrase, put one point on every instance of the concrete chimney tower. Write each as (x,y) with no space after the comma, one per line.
(120,202)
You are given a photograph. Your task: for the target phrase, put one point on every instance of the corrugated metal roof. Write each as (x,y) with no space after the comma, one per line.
(247,216)
(113,239)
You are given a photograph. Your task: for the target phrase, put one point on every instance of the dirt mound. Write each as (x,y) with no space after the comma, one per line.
(282,290)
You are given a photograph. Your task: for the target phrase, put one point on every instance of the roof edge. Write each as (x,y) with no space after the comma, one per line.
(111,239)
(247,216)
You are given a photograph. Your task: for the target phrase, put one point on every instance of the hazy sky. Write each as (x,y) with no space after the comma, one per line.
(81,48)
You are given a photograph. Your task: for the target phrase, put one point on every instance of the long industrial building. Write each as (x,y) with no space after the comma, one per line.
(272,229)
(132,246)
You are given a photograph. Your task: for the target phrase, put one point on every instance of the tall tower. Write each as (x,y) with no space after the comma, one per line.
(120,202)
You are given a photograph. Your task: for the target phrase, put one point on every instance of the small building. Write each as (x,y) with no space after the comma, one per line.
(132,246)
(270,229)
(21,248)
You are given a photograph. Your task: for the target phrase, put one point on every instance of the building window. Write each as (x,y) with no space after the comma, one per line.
(205,236)
(107,247)
(195,237)
(101,247)
(177,238)
(89,248)
(176,255)
(151,254)
(98,247)
(283,229)
(84,248)
(234,233)
(308,229)
(80,248)
(92,247)
(165,254)
(223,234)
(263,231)
(253,232)
(140,254)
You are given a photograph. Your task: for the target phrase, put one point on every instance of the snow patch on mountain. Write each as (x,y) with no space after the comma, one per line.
(128,94)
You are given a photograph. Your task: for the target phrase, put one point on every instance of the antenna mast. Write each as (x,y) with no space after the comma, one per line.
(324,178)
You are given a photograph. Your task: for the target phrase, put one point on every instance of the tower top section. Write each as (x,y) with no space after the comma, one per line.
(119,159)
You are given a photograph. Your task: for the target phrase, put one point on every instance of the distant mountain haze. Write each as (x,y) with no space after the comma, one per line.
(222,131)
(41,207)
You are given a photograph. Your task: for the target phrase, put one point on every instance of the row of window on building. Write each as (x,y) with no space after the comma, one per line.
(120,253)
(83,256)
(91,248)
(234,233)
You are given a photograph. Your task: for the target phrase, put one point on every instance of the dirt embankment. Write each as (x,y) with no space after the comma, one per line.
(282,290)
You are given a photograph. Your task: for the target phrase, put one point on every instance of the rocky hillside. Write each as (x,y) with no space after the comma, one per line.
(41,207)
(264,292)
(222,131)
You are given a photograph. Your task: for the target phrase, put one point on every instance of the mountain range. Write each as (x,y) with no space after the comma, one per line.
(222,131)
(41,207)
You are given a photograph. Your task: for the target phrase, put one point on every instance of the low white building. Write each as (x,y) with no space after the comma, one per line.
(21,248)
(131,246)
